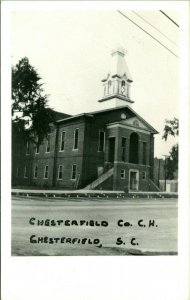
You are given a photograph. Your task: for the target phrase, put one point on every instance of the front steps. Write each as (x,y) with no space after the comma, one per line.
(102,178)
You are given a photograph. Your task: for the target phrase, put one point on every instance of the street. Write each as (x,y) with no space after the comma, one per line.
(42,226)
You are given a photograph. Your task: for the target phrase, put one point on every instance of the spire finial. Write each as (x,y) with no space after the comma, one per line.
(120,50)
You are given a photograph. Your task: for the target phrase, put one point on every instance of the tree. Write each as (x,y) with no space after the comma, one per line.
(31,116)
(171,128)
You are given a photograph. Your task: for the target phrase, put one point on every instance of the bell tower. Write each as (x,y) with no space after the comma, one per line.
(117,83)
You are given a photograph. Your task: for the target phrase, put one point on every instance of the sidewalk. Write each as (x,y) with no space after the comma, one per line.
(92,193)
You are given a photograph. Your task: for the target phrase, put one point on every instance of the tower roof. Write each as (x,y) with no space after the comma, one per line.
(119,67)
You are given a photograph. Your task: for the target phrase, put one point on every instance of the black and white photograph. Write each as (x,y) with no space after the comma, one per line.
(95,107)
(95,132)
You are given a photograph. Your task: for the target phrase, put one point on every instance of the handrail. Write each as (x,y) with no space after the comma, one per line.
(152,182)
(100,179)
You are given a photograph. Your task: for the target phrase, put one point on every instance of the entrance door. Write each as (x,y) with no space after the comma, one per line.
(100,171)
(133,180)
(111,153)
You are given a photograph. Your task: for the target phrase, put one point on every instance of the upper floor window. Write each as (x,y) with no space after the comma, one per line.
(46,170)
(123,83)
(74,172)
(101,141)
(48,144)
(76,139)
(35,171)
(27,148)
(60,172)
(37,148)
(62,146)
(123,148)
(25,172)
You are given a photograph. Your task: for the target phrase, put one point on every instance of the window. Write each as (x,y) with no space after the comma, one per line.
(109,86)
(35,171)
(25,172)
(122,174)
(27,148)
(60,172)
(144,175)
(62,146)
(101,141)
(123,148)
(17,172)
(123,88)
(48,144)
(46,172)
(144,153)
(76,139)
(74,172)
(37,149)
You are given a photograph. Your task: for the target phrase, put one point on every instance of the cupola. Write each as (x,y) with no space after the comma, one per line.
(117,83)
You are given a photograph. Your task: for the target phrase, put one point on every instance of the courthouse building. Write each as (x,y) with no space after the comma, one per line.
(111,148)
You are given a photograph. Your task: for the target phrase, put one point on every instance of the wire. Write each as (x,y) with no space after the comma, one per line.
(154,27)
(147,33)
(169,18)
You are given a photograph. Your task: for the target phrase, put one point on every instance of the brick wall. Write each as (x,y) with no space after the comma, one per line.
(123,183)
(87,157)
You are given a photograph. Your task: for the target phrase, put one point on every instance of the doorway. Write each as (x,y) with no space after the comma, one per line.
(133,180)
(134,148)
(111,150)
(100,171)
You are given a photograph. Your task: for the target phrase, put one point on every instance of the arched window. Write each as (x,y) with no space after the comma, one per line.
(123,88)
(134,148)
(109,86)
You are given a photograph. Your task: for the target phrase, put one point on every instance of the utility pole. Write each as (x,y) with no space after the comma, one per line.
(164,171)
(159,172)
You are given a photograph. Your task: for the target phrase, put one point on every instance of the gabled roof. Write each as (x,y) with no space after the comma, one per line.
(119,66)
(75,117)
(130,110)
(58,115)
(140,118)
(92,114)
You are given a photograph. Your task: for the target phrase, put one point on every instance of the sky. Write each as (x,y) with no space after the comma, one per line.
(71,50)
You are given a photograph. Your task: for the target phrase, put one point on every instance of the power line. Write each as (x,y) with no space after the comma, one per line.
(147,33)
(154,27)
(169,18)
